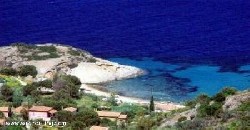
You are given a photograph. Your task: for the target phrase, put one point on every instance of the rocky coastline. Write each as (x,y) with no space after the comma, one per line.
(68,60)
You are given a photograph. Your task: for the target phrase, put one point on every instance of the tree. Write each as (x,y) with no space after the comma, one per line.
(78,125)
(219,97)
(46,83)
(28,89)
(112,100)
(152,105)
(203,99)
(144,123)
(64,116)
(17,97)
(27,70)
(24,114)
(209,110)
(72,79)
(107,122)
(6,93)
(8,71)
(88,116)
(61,95)
(1,115)
(72,90)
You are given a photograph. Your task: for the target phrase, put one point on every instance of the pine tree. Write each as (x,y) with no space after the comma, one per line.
(152,105)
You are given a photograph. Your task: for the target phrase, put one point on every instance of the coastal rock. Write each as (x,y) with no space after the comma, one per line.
(103,71)
(67,60)
(234,101)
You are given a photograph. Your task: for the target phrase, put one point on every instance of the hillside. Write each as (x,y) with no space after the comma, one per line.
(227,109)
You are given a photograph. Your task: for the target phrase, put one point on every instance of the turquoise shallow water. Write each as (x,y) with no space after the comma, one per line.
(177,82)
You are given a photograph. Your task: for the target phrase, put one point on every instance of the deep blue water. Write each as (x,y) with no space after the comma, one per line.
(201,38)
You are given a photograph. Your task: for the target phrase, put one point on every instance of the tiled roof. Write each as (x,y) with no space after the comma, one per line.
(122,117)
(108,114)
(98,128)
(19,109)
(4,109)
(71,109)
(52,111)
(40,108)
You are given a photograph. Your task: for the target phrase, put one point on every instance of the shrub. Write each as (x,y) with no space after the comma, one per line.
(181,119)
(72,79)
(88,117)
(1,115)
(245,106)
(27,70)
(92,60)
(190,104)
(45,83)
(209,110)
(64,116)
(190,125)
(74,52)
(6,93)
(107,122)
(203,99)
(145,123)
(8,71)
(28,89)
(228,91)
(219,97)
(48,49)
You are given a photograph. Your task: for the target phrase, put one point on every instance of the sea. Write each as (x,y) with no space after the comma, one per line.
(187,47)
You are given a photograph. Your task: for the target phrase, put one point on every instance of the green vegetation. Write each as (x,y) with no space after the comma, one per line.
(181,119)
(92,60)
(6,93)
(152,105)
(210,114)
(24,71)
(34,52)
(74,52)
(27,70)
(8,71)
(10,81)
(209,110)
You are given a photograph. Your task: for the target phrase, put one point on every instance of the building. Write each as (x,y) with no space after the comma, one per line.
(2,121)
(113,116)
(71,109)
(41,112)
(98,128)
(19,109)
(5,111)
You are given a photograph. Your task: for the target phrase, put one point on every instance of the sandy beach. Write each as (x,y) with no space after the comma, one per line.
(162,106)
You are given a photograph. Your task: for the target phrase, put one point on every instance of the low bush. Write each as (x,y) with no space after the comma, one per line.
(181,119)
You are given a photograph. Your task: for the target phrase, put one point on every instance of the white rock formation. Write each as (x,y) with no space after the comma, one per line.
(103,71)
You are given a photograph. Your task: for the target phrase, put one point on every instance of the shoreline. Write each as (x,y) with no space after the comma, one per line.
(159,105)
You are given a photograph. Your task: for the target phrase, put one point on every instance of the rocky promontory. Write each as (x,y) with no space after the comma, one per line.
(50,59)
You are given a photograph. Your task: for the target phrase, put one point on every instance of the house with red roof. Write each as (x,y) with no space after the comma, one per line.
(41,112)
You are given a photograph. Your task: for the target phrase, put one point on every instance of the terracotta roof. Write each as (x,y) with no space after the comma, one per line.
(4,109)
(71,109)
(2,121)
(52,111)
(108,114)
(98,128)
(122,117)
(19,109)
(40,108)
